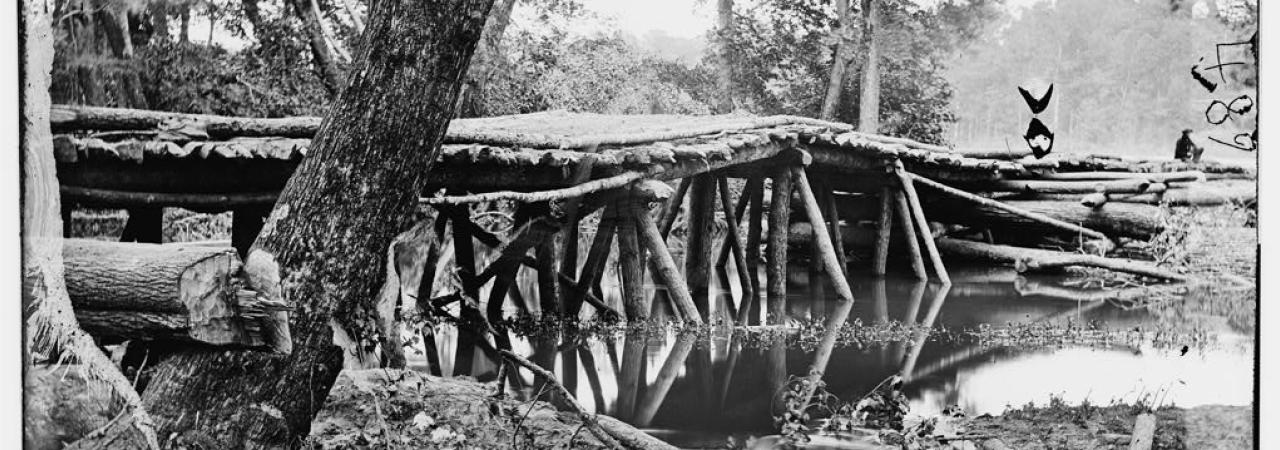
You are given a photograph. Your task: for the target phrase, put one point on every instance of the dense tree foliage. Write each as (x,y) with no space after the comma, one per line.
(783,53)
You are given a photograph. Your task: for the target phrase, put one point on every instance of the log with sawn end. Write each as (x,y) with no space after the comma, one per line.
(168,292)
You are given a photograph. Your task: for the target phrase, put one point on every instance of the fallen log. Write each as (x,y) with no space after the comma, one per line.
(1158,177)
(1030,259)
(168,292)
(1114,219)
(1126,186)
(1187,196)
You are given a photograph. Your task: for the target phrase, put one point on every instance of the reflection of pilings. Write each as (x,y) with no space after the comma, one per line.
(909,364)
(880,301)
(655,394)
(822,356)
(913,310)
(751,305)
(735,349)
(593,376)
(776,258)
(629,375)
(968,353)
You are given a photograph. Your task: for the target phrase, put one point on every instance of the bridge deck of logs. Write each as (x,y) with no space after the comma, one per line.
(561,167)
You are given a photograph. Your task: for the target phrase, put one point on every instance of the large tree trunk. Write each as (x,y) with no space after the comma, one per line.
(324,243)
(52,333)
(724,69)
(322,55)
(844,53)
(486,58)
(869,100)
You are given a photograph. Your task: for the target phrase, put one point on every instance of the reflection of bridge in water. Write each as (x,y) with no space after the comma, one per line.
(719,383)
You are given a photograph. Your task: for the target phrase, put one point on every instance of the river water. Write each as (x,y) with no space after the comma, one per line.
(997,340)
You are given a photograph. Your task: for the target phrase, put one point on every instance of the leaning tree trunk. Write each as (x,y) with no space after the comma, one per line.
(324,243)
(844,53)
(724,67)
(53,335)
(486,58)
(869,100)
(322,55)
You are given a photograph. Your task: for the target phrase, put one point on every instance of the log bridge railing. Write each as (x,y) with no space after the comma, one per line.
(561,167)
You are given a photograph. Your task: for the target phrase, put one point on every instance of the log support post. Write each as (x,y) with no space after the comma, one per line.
(822,239)
(907,228)
(733,241)
(885,227)
(755,221)
(597,256)
(776,258)
(634,300)
(665,269)
(922,224)
(465,259)
(697,254)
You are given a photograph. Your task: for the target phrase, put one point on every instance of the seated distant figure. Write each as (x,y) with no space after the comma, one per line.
(1186,149)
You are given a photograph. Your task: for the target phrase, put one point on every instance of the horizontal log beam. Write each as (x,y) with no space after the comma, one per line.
(108,198)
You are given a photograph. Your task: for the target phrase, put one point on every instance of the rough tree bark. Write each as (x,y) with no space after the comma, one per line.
(844,53)
(52,333)
(869,100)
(327,237)
(325,63)
(486,57)
(724,75)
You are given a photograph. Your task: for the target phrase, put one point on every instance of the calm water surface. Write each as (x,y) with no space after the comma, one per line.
(697,391)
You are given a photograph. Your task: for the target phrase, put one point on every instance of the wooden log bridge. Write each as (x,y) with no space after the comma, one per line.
(169,292)
(562,167)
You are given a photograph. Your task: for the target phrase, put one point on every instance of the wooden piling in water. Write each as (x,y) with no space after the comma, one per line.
(826,250)
(776,258)
(665,266)
(597,255)
(464,257)
(672,208)
(734,239)
(697,253)
(922,224)
(634,301)
(909,235)
(755,221)
(881,255)
(837,234)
